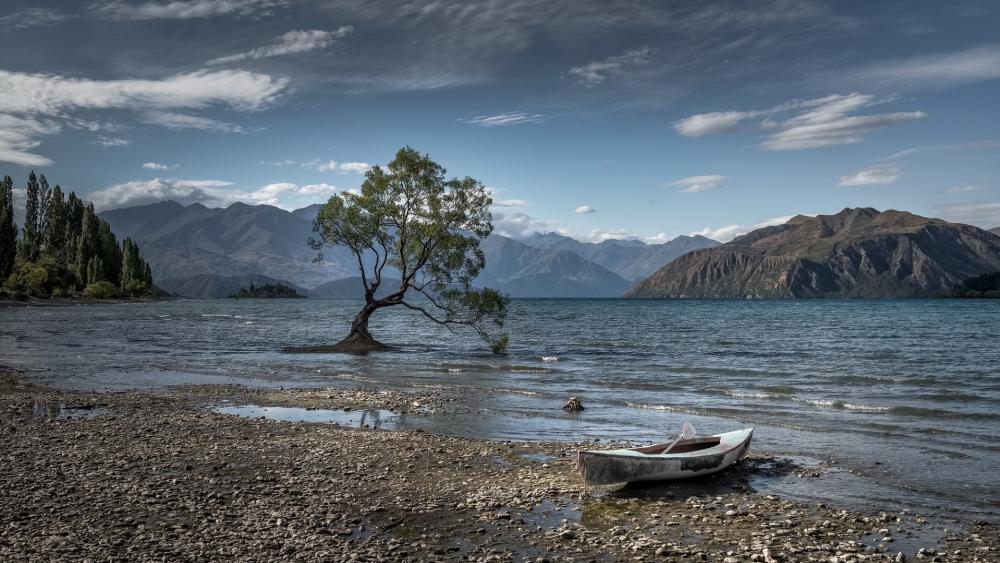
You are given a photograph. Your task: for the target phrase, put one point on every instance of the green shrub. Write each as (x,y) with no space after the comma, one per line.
(101,290)
(38,278)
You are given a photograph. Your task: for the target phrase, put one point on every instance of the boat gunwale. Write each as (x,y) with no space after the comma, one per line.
(724,446)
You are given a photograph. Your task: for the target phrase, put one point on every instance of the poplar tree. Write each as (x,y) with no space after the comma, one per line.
(88,243)
(8,229)
(55,227)
(28,245)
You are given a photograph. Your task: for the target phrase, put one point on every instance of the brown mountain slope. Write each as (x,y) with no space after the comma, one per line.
(856,253)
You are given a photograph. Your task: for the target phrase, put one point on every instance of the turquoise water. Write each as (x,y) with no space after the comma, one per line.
(904,392)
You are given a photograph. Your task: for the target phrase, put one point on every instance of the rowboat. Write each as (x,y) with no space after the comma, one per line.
(687,458)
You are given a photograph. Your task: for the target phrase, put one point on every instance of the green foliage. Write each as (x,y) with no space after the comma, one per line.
(38,279)
(981,286)
(267,291)
(429,228)
(101,290)
(8,229)
(64,246)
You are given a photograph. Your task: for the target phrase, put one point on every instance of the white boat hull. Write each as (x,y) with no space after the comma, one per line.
(704,456)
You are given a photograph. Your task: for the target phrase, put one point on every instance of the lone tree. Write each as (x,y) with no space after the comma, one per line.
(410,218)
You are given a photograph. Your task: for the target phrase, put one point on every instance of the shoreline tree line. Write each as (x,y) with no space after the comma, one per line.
(64,248)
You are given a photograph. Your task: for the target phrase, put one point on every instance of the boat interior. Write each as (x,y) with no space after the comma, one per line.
(684,446)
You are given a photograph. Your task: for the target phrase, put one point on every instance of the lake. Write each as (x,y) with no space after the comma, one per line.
(900,397)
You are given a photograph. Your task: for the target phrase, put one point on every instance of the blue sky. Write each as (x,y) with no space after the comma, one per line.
(641,119)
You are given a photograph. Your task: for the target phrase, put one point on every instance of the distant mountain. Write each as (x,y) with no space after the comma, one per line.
(855,253)
(631,259)
(525,271)
(240,240)
(995,231)
(350,288)
(196,251)
(209,285)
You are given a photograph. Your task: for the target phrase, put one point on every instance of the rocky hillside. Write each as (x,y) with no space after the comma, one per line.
(856,253)
(995,231)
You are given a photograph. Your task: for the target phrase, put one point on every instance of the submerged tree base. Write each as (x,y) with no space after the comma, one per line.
(353,344)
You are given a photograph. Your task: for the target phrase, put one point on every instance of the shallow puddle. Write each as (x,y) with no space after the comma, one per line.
(378,418)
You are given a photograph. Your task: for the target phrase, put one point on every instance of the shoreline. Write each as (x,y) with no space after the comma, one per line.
(153,474)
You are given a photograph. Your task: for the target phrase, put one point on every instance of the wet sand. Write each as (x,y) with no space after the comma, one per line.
(154,475)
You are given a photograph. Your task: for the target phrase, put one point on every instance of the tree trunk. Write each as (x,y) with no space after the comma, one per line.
(360,340)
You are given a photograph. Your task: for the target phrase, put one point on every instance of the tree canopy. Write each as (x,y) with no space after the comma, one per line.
(410,218)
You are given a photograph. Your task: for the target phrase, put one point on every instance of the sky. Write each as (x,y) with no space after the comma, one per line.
(639,119)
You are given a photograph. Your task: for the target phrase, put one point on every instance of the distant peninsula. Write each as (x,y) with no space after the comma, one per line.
(268,291)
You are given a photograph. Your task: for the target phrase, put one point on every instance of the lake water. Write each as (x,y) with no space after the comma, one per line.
(903,393)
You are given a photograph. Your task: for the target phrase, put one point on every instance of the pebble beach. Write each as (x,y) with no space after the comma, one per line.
(164,476)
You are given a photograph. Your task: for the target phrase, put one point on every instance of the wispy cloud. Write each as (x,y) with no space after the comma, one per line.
(19,136)
(31,17)
(28,96)
(295,41)
(509,203)
(174,120)
(584,209)
(111,142)
(964,189)
(986,215)
(502,119)
(158,166)
(973,145)
(184,9)
(698,184)
(323,165)
(819,122)
(934,71)
(593,73)
(871,176)
(213,193)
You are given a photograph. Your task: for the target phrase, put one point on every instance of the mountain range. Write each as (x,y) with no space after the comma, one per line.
(196,251)
(858,252)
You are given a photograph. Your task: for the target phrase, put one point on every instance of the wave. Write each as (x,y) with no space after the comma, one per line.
(841,405)
(215,315)
(550,358)
(759,395)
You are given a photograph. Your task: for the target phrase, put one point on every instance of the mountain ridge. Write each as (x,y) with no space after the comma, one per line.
(859,252)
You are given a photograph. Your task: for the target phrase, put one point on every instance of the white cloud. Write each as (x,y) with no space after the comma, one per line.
(592,74)
(871,176)
(518,225)
(213,193)
(286,162)
(940,70)
(18,136)
(355,167)
(184,9)
(698,184)
(502,119)
(584,209)
(985,215)
(31,17)
(815,123)
(291,42)
(110,142)
(158,166)
(964,189)
(50,94)
(174,120)
(509,203)
(729,232)
(28,95)
(715,122)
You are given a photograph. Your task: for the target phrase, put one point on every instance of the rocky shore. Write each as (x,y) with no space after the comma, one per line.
(162,476)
